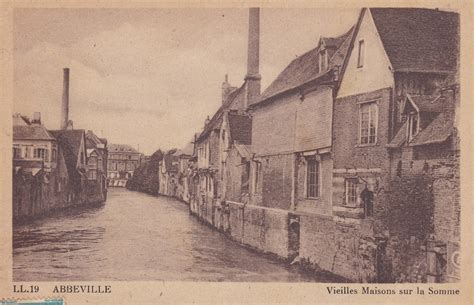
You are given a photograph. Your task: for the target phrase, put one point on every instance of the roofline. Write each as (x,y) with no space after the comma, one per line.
(350,47)
(409,70)
(291,90)
(219,113)
(41,139)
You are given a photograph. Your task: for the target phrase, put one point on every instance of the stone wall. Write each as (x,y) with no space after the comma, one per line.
(317,243)
(262,229)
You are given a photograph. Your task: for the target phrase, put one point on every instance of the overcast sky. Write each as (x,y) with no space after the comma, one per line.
(149,77)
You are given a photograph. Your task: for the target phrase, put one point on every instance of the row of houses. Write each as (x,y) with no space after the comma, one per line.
(54,169)
(349,161)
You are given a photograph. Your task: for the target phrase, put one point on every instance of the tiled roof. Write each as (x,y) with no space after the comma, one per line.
(240,128)
(233,98)
(417,39)
(427,103)
(70,144)
(125,148)
(92,140)
(31,132)
(305,68)
(437,131)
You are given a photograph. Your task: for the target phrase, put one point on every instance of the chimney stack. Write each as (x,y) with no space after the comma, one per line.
(36,118)
(253,77)
(65,100)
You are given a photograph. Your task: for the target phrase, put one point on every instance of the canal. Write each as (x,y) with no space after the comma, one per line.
(134,236)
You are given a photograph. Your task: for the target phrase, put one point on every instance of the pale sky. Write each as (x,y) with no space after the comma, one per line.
(150,77)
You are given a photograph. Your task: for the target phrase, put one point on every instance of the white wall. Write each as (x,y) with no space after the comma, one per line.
(376,73)
(314,119)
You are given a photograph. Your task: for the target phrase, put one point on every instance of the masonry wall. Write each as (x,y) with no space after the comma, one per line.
(347,151)
(260,228)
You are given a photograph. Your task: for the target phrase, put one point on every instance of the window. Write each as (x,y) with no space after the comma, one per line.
(53,155)
(40,153)
(258,168)
(323,60)
(351,186)
(361,54)
(413,125)
(244,186)
(92,175)
(16,153)
(368,123)
(312,178)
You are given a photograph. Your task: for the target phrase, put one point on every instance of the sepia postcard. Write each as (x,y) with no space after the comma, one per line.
(236,153)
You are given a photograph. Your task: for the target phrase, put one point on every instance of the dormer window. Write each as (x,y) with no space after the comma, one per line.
(413,125)
(361,54)
(323,60)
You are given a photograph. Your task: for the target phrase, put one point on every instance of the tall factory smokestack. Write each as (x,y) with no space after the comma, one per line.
(65,100)
(253,77)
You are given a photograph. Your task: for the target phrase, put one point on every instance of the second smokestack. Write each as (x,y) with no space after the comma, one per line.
(65,100)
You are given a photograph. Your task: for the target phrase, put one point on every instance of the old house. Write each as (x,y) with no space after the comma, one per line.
(123,159)
(184,170)
(169,173)
(40,177)
(292,146)
(388,94)
(72,143)
(97,156)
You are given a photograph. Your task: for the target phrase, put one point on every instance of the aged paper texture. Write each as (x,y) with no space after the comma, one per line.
(236,152)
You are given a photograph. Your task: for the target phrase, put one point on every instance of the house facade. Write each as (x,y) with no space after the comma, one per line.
(292,147)
(40,177)
(374,104)
(122,162)
(97,157)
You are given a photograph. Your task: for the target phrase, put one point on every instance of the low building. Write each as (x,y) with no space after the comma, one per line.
(169,173)
(122,162)
(184,170)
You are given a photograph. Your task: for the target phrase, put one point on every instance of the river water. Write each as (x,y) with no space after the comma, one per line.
(134,236)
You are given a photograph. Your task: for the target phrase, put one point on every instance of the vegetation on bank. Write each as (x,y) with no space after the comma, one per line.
(146,177)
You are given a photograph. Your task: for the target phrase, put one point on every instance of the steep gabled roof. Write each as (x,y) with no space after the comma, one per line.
(31,132)
(417,39)
(232,99)
(92,140)
(240,128)
(70,143)
(305,68)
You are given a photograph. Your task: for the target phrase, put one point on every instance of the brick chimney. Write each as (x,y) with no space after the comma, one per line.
(252,79)
(65,100)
